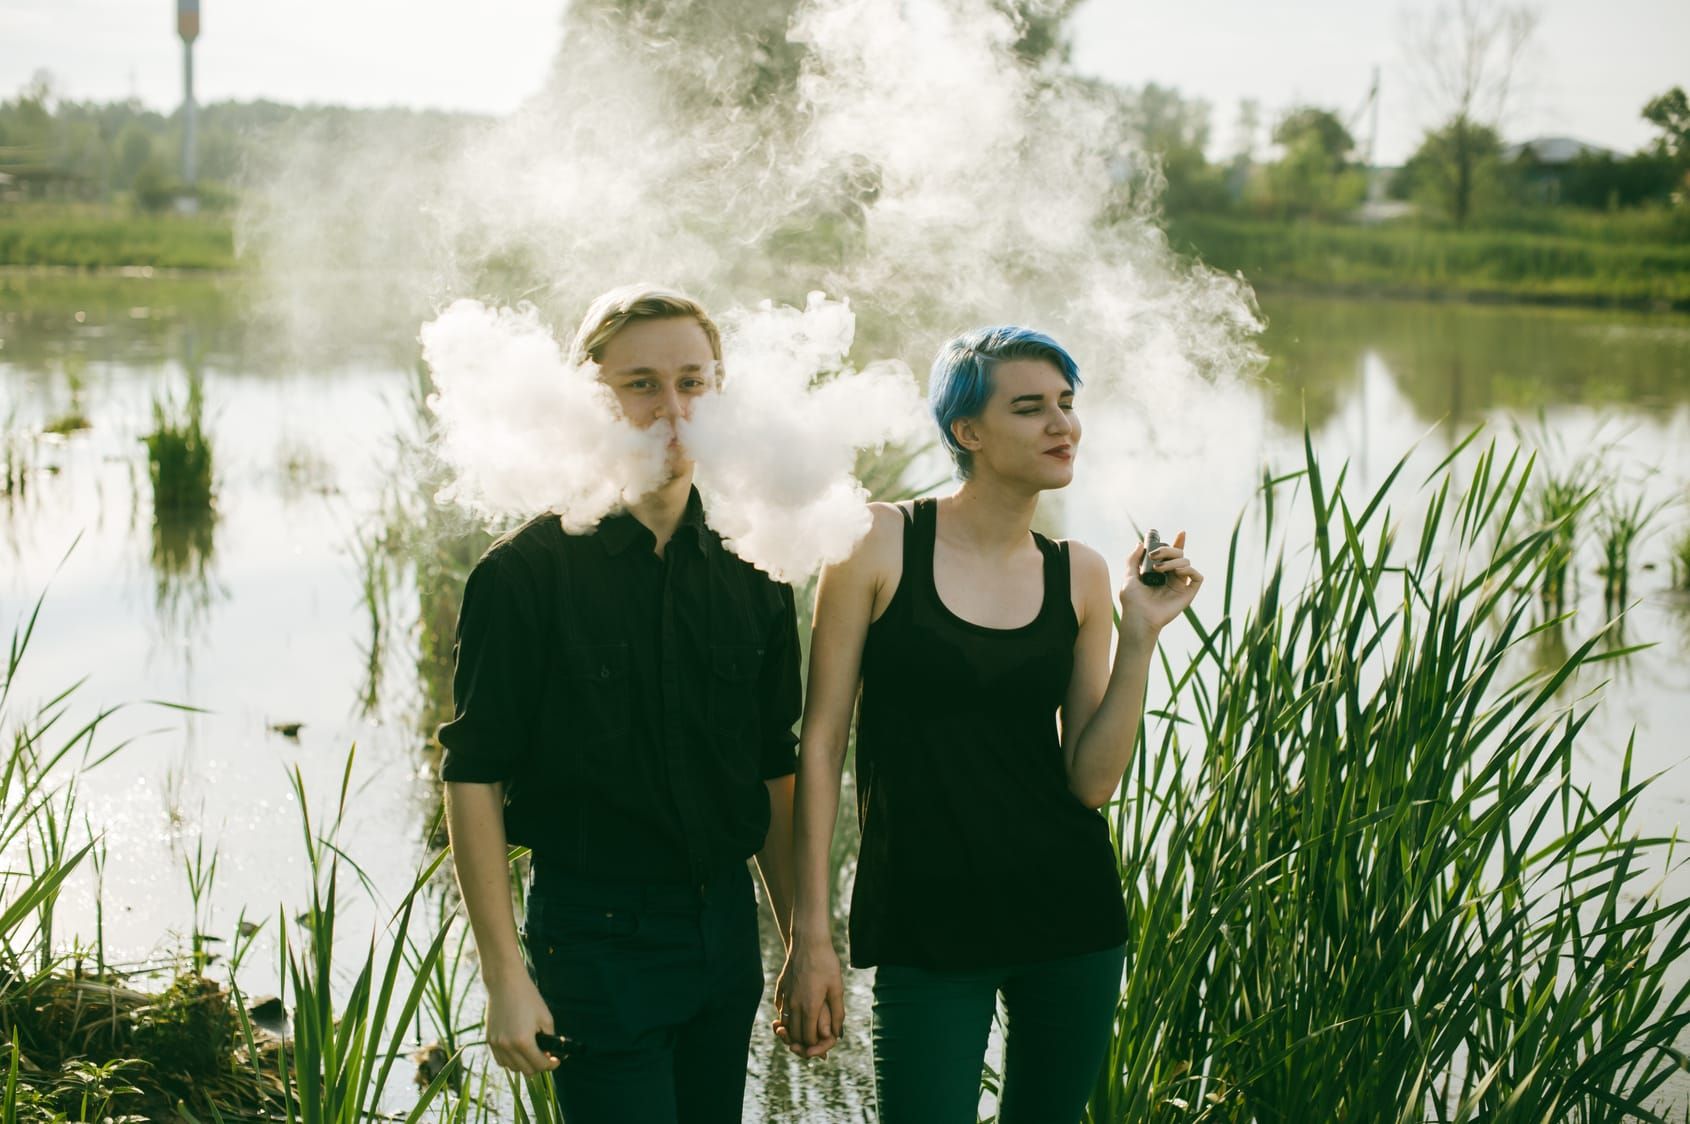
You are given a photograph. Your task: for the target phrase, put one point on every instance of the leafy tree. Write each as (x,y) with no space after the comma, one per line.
(1670,113)
(1457,169)
(1174,131)
(1465,57)
(1314,175)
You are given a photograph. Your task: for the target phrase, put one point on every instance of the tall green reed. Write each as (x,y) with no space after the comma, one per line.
(1364,883)
(37,813)
(179,456)
(1680,559)
(1620,523)
(1559,500)
(347,1041)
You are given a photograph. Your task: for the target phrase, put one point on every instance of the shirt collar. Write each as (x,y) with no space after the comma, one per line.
(621,531)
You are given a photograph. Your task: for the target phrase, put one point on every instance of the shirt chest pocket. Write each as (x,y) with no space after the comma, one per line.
(600,697)
(734,672)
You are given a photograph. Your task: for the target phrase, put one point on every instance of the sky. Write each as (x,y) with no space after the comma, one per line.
(1594,62)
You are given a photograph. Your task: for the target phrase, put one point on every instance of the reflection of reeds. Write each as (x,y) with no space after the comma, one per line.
(1362,880)
(183,544)
(14,459)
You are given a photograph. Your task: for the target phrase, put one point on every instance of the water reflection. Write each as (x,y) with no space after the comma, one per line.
(1465,362)
(184,577)
(325,585)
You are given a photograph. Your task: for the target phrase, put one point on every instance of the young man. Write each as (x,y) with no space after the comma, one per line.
(624,707)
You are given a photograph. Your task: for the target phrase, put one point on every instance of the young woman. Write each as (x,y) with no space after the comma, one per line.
(992,728)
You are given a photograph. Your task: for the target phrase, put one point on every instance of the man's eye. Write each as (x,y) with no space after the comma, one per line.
(692,384)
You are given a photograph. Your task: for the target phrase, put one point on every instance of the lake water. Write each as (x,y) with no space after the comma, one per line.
(312,600)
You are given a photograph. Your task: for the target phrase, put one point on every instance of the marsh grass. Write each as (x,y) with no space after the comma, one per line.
(75,417)
(1364,881)
(1564,487)
(15,464)
(1620,524)
(376,555)
(179,456)
(1680,560)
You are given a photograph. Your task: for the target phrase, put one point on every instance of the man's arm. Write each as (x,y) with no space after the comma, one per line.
(515,1009)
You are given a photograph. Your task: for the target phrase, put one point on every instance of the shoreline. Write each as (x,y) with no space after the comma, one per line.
(1358,291)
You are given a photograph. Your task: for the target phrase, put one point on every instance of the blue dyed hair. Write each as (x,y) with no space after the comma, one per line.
(961,379)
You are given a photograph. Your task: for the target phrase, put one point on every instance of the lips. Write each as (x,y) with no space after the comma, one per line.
(1061,452)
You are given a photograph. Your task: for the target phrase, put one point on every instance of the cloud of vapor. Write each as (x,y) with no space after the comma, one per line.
(897,154)
(524,430)
(776,448)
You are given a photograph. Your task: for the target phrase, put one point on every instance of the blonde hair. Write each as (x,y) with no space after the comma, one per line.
(631,304)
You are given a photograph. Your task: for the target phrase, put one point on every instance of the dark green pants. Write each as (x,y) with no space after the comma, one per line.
(655,988)
(930,1031)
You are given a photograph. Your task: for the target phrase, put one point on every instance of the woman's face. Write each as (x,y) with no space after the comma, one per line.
(1028,431)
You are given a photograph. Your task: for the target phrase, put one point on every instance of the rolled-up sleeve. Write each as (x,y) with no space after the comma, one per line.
(780,691)
(497,673)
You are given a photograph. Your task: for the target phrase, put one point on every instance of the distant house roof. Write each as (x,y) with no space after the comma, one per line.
(1555,150)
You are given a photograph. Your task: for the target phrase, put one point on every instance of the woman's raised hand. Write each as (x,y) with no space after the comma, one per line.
(1149,608)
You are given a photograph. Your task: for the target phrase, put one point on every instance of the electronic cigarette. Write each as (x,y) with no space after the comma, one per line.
(558,1048)
(1146,574)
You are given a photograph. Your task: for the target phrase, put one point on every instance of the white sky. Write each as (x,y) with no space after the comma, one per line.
(1596,61)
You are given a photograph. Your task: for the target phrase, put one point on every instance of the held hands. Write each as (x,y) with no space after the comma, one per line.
(515,1012)
(1147,609)
(810,999)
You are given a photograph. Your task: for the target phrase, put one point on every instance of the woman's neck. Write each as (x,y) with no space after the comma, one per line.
(989,517)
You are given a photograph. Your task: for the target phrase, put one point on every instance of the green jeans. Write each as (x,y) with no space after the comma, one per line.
(930,1031)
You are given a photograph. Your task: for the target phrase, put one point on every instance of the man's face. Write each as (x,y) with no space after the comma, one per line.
(657,369)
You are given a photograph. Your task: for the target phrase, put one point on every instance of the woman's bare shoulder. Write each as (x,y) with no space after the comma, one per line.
(884,543)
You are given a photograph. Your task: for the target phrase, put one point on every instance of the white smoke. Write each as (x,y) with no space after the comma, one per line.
(524,430)
(775,450)
(905,160)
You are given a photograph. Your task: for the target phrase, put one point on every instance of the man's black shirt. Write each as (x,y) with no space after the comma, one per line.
(633,706)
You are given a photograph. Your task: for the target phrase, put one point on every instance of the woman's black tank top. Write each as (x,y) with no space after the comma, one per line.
(974,851)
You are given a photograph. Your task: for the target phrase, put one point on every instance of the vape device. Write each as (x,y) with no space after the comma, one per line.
(558,1048)
(1152,543)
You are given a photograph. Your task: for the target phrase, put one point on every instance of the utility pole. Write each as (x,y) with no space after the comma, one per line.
(188,27)
(1375,182)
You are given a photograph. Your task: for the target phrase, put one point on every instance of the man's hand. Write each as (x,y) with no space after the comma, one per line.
(515,1011)
(810,998)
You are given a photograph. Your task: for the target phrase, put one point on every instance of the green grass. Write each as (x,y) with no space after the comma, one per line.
(1681,560)
(179,456)
(76,1045)
(1619,526)
(1364,881)
(94,237)
(1585,266)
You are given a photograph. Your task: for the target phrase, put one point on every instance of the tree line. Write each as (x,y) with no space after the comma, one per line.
(1461,56)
